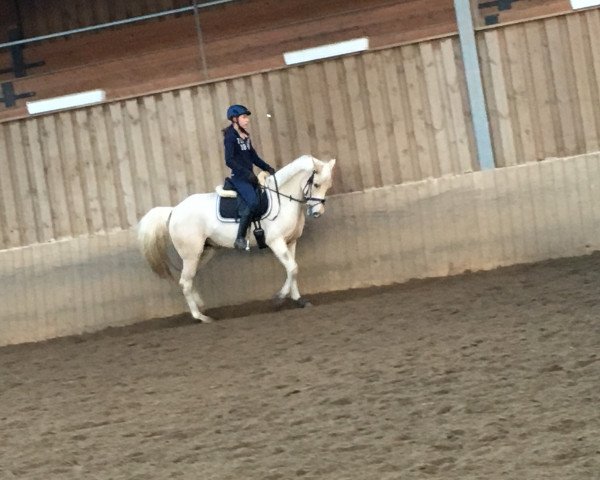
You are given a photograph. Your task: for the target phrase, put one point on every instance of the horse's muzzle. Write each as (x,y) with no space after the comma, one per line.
(315,211)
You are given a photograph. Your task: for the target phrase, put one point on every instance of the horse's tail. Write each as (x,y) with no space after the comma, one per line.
(153,238)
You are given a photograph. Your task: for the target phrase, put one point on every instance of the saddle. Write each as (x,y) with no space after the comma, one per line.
(228,202)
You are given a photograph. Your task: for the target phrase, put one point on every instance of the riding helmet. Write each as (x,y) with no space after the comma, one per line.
(236,111)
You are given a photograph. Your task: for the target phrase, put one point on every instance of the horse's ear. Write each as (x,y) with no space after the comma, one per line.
(317,165)
(332,163)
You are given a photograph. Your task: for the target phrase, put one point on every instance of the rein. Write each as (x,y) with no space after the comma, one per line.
(306,193)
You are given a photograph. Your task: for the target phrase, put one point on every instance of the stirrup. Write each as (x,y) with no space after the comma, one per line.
(241,244)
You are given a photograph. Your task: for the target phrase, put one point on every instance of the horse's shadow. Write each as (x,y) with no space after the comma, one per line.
(258,307)
(218,314)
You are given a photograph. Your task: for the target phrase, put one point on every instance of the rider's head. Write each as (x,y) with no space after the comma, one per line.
(238,114)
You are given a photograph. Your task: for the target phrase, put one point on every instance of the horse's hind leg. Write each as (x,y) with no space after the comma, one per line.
(205,256)
(192,296)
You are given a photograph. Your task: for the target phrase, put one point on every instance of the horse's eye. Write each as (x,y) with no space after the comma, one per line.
(317,185)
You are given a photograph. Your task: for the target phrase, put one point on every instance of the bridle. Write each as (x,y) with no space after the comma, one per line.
(306,194)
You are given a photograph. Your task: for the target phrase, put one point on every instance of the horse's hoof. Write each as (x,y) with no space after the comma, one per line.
(303,303)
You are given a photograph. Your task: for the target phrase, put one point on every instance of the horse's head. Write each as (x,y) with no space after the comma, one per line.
(317,186)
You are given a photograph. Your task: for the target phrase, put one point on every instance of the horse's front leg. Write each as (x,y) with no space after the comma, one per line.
(287,256)
(294,291)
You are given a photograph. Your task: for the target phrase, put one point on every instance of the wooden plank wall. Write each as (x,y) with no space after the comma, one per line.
(389,117)
(41,17)
(542,85)
(48,16)
(166,55)
(518,10)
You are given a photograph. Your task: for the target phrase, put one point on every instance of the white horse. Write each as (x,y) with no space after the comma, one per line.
(193,227)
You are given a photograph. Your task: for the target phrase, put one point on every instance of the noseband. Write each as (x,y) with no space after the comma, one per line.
(307,191)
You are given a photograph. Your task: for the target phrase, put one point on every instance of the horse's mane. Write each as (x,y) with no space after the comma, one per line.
(303,163)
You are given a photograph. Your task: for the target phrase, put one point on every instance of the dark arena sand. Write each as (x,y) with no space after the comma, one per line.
(491,375)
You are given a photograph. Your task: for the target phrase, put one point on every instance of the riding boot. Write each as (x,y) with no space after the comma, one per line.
(240,241)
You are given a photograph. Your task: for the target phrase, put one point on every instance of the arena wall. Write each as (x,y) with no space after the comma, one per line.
(429,228)
(101,168)
(391,116)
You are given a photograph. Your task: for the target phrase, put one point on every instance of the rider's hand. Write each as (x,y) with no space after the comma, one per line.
(271,171)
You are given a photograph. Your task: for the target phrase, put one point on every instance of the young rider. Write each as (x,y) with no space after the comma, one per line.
(240,156)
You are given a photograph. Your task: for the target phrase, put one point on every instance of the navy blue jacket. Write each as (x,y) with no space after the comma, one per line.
(240,155)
